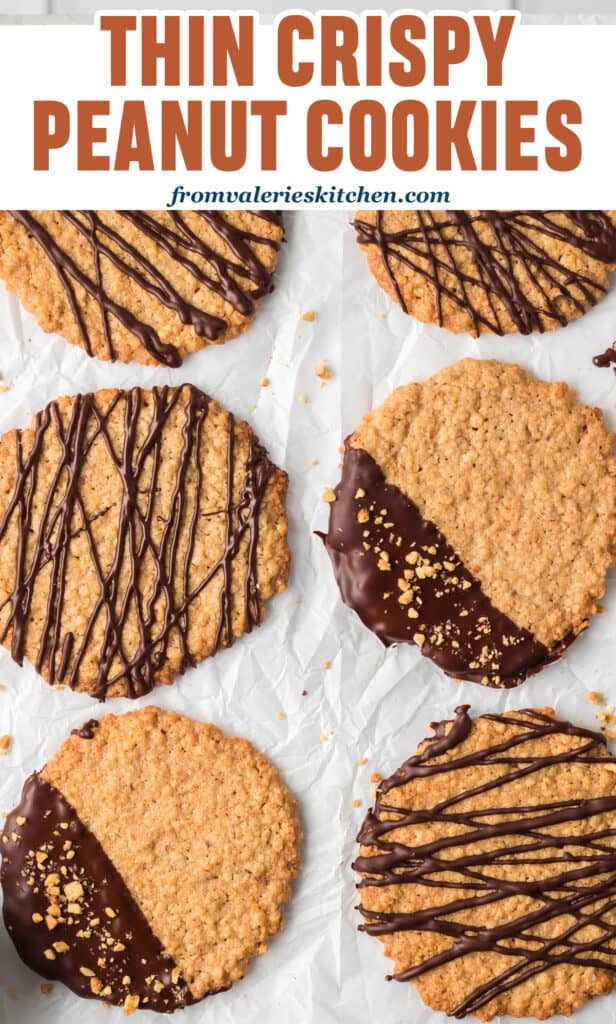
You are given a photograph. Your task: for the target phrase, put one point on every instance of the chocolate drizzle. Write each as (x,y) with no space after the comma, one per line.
(397,571)
(433,247)
(69,913)
(161,613)
(606,358)
(86,731)
(239,279)
(577,885)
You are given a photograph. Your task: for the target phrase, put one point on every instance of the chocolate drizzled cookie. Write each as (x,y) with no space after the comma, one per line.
(112,884)
(489,866)
(485,270)
(458,525)
(146,285)
(140,531)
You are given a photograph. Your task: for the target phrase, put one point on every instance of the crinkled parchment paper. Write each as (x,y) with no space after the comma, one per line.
(371,702)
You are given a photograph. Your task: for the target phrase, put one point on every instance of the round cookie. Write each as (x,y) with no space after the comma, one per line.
(140,531)
(485,270)
(147,863)
(489,866)
(476,517)
(150,286)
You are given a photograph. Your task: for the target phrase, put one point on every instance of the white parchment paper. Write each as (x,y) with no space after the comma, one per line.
(371,703)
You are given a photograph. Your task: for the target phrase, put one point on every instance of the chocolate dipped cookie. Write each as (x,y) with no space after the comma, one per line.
(476,518)
(147,863)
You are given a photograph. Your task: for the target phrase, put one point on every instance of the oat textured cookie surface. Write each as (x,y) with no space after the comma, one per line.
(476,517)
(488,866)
(148,862)
(140,531)
(499,271)
(149,286)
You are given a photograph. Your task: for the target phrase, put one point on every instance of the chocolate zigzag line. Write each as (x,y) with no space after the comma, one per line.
(568,892)
(431,246)
(63,501)
(182,244)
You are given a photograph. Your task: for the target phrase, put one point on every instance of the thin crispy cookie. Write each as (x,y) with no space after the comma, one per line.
(488,866)
(149,286)
(491,271)
(140,531)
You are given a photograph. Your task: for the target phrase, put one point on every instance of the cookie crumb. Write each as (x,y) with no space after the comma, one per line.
(326,665)
(328,495)
(264,382)
(324,371)
(5,742)
(357,803)
(362,761)
(280,715)
(314,462)
(594,697)
(309,316)
(46,987)
(375,778)
(303,399)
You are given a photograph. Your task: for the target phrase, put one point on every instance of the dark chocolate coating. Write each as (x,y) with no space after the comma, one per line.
(580,884)
(122,937)
(492,262)
(606,358)
(86,731)
(464,634)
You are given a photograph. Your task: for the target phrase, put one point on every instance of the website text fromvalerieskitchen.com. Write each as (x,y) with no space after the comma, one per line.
(319,195)
(140,109)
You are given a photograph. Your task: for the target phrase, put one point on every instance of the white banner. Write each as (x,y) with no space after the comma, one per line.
(146,109)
